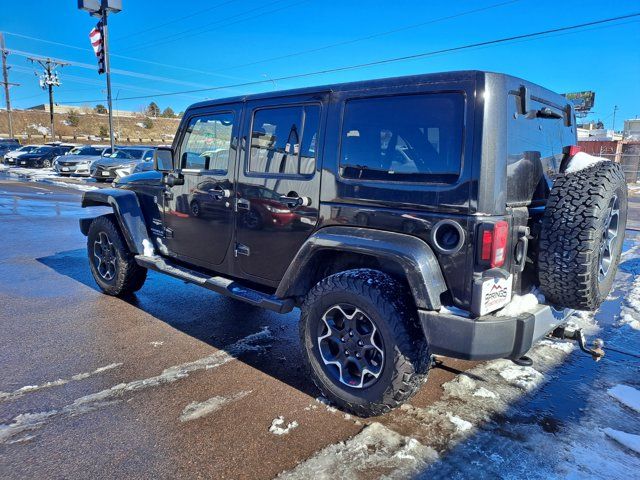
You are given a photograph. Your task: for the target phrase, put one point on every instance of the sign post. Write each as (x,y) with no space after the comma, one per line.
(102,8)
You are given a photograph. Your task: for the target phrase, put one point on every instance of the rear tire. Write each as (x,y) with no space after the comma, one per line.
(582,234)
(387,338)
(112,264)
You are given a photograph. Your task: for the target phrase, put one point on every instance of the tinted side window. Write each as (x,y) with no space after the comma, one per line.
(206,143)
(409,138)
(284,140)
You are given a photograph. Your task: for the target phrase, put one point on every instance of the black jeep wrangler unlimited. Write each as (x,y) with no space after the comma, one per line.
(400,215)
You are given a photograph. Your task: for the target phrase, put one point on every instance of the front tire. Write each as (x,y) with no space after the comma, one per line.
(112,264)
(362,344)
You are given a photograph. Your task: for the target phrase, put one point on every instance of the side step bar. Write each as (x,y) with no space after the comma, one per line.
(221,285)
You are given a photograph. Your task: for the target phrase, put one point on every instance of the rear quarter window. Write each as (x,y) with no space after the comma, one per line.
(407,138)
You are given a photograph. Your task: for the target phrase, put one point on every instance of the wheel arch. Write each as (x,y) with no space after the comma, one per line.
(333,249)
(127,211)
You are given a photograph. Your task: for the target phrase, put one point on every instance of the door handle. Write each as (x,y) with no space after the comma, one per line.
(219,193)
(293,202)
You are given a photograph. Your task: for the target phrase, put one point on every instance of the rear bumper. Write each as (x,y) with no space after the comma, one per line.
(488,337)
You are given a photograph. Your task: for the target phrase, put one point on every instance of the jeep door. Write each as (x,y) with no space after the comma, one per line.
(278,190)
(198,215)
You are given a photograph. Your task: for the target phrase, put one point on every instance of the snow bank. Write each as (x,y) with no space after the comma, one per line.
(626,395)
(277,429)
(582,160)
(374,450)
(628,440)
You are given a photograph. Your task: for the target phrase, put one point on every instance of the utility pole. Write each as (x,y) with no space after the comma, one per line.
(6,83)
(48,80)
(613,126)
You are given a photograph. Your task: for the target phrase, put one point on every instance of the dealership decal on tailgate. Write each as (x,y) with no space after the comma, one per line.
(496,293)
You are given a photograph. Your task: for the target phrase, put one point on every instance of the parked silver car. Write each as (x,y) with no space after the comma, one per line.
(78,160)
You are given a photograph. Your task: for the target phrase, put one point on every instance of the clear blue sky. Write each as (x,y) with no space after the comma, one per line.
(213,46)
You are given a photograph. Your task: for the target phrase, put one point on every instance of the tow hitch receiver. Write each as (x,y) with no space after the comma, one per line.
(596,352)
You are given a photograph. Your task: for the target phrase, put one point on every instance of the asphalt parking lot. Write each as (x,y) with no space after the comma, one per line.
(178,382)
(57,325)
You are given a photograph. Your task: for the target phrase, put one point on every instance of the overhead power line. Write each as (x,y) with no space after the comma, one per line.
(190,32)
(369,37)
(389,60)
(176,20)
(124,57)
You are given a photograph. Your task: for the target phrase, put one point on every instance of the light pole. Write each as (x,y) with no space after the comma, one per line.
(101,9)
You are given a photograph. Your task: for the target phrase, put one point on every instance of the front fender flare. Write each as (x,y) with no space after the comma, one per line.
(127,211)
(416,258)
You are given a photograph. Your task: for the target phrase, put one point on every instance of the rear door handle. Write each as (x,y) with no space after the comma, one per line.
(293,202)
(219,193)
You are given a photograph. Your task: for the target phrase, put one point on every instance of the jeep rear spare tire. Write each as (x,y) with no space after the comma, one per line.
(361,342)
(582,233)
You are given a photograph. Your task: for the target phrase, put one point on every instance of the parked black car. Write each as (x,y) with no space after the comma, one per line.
(423,205)
(10,157)
(120,163)
(8,145)
(41,157)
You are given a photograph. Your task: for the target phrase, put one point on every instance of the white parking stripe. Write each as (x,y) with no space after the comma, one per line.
(32,421)
(54,383)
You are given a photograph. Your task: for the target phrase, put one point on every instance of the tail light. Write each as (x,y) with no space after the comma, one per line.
(493,248)
(574,149)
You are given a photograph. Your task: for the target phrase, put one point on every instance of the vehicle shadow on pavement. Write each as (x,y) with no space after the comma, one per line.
(206,316)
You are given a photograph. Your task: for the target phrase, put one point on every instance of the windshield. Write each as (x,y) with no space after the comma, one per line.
(120,154)
(85,151)
(42,149)
(136,154)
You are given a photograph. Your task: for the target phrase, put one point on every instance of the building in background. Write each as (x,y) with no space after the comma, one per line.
(632,129)
(81,109)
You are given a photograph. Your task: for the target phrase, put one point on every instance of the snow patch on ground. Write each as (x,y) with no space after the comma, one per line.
(277,426)
(582,160)
(156,344)
(41,129)
(460,424)
(47,175)
(196,410)
(484,393)
(628,440)
(54,383)
(626,395)
(526,378)
(630,312)
(88,403)
(376,451)
(325,401)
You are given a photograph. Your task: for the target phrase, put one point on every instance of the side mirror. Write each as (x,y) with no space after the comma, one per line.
(163,159)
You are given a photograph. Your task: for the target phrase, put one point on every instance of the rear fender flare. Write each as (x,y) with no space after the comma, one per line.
(416,258)
(127,211)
